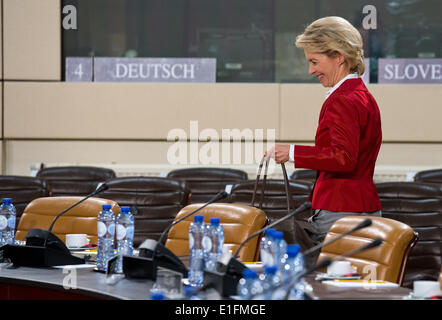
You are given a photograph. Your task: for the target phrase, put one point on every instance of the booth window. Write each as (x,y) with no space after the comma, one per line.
(252,40)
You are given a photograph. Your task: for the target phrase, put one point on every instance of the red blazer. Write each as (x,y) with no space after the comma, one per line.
(347,144)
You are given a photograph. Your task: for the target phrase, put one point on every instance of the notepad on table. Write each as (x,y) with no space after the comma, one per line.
(361,283)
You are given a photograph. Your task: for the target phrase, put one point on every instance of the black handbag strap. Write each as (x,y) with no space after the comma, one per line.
(263,185)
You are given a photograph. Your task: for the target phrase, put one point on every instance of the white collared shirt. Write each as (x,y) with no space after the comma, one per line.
(329,92)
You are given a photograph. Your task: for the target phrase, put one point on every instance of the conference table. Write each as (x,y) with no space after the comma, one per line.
(27,283)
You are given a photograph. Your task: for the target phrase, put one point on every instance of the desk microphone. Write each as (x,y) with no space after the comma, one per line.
(366,223)
(305,206)
(322,264)
(229,270)
(153,253)
(43,248)
(43,238)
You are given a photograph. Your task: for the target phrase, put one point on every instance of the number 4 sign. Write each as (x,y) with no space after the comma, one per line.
(78,69)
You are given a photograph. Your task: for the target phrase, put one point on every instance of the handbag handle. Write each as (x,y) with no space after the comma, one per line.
(286,183)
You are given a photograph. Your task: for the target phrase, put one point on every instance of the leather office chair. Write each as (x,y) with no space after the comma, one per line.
(154,202)
(81,219)
(74,181)
(205,183)
(304,174)
(386,262)
(420,206)
(22,190)
(239,221)
(275,201)
(433,176)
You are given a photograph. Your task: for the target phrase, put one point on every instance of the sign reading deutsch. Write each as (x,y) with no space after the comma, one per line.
(410,71)
(155,69)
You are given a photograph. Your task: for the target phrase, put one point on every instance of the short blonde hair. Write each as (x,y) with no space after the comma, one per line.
(331,35)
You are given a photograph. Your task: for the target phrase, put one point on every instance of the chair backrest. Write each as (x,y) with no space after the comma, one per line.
(154,202)
(74,181)
(275,201)
(80,219)
(22,190)
(386,262)
(433,176)
(204,183)
(420,206)
(304,174)
(238,221)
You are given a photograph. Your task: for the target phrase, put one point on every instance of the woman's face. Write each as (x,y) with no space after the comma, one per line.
(329,70)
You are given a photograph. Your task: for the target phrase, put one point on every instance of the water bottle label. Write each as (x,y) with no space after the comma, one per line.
(3,222)
(111,229)
(191,241)
(130,232)
(11,222)
(101,227)
(121,232)
(207,244)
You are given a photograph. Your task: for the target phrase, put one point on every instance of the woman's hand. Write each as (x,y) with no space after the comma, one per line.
(279,152)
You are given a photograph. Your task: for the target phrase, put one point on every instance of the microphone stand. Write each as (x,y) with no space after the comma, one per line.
(154,253)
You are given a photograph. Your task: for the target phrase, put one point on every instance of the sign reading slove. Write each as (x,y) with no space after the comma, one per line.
(154,69)
(410,71)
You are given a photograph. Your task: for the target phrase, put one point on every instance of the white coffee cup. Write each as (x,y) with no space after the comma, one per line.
(426,289)
(76,240)
(339,268)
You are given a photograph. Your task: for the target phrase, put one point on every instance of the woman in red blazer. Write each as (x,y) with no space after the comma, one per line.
(349,133)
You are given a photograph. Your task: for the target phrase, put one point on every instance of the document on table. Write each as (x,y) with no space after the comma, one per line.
(361,283)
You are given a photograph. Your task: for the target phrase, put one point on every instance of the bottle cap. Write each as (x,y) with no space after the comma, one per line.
(214,221)
(270,232)
(106,206)
(125,209)
(249,274)
(270,269)
(198,218)
(7,200)
(157,296)
(278,235)
(293,250)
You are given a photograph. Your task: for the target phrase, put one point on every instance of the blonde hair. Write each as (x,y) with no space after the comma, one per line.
(332,35)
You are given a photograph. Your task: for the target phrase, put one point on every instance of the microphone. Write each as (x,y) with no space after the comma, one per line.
(305,206)
(153,253)
(322,264)
(43,248)
(366,223)
(226,278)
(40,237)
(220,196)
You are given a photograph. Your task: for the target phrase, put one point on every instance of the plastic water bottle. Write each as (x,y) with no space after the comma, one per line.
(196,263)
(213,242)
(293,265)
(271,279)
(265,249)
(249,285)
(125,236)
(278,249)
(106,232)
(7,222)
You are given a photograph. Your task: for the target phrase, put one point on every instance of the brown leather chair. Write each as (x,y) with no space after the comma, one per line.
(239,221)
(74,181)
(432,176)
(304,174)
(275,201)
(40,213)
(388,261)
(154,202)
(22,190)
(205,183)
(420,206)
